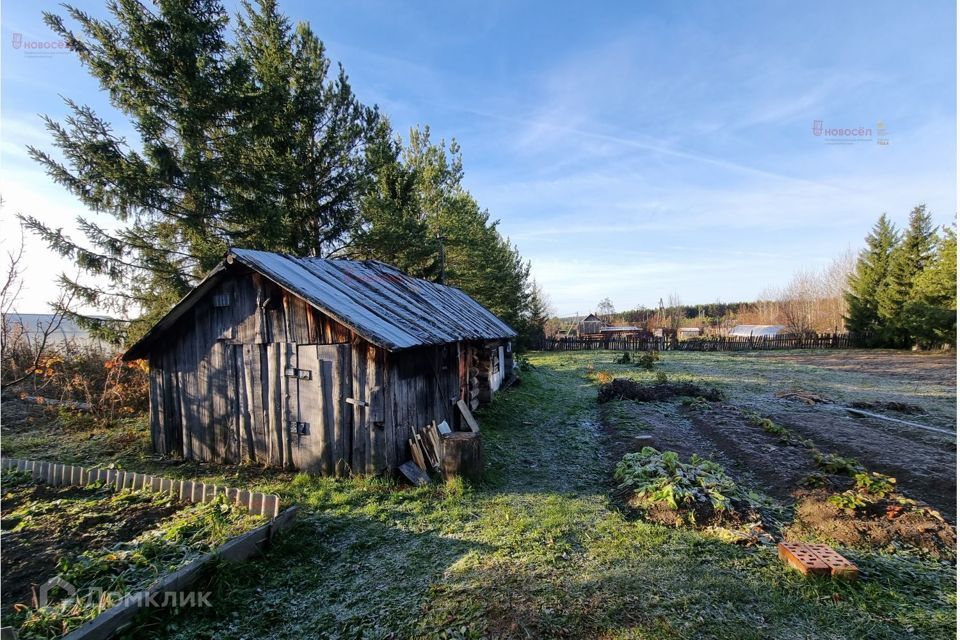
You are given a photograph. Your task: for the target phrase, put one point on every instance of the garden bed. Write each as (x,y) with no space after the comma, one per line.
(98,538)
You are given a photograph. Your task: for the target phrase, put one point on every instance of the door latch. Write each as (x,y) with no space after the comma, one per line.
(302,428)
(300,374)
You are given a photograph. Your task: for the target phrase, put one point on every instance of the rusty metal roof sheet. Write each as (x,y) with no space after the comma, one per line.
(379,302)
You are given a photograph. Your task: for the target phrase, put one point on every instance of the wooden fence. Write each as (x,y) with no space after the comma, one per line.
(264,504)
(721,343)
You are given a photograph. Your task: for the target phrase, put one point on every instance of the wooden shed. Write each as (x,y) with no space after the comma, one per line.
(313,364)
(591,325)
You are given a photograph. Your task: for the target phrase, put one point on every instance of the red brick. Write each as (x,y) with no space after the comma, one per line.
(803,559)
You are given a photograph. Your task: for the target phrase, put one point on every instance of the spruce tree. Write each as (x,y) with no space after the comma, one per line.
(907,261)
(244,143)
(419,217)
(867,279)
(930,316)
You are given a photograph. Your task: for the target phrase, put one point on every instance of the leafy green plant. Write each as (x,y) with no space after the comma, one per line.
(647,360)
(661,478)
(837,464)
(870,487)
(875,484)
(623,359)
(847,500)
(699,403)
(661,377)
(767,425)
(524,363)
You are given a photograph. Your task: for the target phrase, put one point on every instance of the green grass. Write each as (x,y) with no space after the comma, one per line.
(538,550)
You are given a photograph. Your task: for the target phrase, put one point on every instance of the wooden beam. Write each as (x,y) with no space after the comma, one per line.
(468,416)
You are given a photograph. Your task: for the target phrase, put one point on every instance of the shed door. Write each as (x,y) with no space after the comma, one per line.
(318,423)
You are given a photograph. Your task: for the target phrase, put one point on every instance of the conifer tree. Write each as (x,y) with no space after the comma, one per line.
(868,278)
(244,143)
(907,261)
(930,316)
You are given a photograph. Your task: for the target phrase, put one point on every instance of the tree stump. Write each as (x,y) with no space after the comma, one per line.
(462,455)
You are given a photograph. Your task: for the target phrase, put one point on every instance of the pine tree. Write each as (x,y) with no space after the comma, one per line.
(907,261)
(536,315)
(867,279)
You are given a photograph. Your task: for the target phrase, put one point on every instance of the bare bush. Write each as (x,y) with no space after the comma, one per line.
(798,303)
(37,363)
(814,301)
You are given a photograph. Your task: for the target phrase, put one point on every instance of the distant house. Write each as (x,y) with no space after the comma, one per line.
(685,333)
(757,330)
(591,325)
(321,365)
(621,331)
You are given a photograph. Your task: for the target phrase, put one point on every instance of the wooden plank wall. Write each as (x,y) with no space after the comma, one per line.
(219,389)
(217,384)
(422,386)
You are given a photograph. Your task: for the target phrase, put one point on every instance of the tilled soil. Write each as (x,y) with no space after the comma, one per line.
(817,518)
(42,538)
(751,456)
(924,463)
(779,466)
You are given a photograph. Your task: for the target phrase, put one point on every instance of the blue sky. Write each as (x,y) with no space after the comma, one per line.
(630,150)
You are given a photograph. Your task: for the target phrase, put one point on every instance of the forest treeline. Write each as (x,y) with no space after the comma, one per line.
(247,135)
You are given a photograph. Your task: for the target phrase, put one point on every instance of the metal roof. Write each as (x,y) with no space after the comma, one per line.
(756,330)
(377,301)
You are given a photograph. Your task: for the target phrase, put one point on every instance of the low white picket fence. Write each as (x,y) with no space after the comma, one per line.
(264,504)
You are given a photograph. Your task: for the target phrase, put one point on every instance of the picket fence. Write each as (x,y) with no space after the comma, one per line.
(264,504)
(721,343)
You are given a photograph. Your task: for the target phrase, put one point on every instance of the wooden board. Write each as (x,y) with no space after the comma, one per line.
(246,405)
(417,454)
(306,444)
(275,385)
(414,474)
(338,369)
(359,440)
(468,416)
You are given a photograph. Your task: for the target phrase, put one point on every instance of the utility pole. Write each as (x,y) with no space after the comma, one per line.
(442,254)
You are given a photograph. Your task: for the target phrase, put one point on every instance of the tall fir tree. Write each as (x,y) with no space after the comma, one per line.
(907,261)
(930,315)
(419,217)
(536,315)
(867,280)
(245,143)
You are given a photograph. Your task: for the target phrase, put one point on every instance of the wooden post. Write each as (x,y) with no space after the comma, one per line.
(462,455)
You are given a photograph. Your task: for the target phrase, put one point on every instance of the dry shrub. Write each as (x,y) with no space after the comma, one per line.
(604,377)
(84,378)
